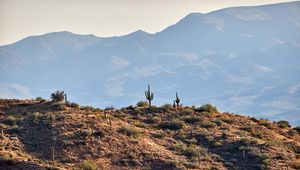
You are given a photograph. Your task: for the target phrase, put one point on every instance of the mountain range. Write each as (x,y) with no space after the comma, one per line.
(241,59)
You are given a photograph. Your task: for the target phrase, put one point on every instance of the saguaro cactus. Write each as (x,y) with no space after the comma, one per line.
(149,95)
(66,99)
(177,100)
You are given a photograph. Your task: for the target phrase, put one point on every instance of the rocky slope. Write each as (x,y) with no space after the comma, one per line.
(38,134)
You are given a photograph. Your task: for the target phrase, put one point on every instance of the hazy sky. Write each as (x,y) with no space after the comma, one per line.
(22,18)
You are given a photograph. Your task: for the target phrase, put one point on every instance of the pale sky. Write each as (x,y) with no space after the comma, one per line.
(103,18)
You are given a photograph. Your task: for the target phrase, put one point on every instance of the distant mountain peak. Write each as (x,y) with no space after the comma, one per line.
(139,32)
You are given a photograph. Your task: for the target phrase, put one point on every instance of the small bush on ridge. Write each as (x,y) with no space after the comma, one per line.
(142,104)
(172,125)
(207,108)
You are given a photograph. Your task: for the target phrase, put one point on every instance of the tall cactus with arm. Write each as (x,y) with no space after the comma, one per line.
(149,95)
(177,100)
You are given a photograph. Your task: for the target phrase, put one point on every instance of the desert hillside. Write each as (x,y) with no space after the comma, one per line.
(39,134)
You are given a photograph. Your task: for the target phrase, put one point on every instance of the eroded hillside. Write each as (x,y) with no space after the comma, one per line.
(38,134)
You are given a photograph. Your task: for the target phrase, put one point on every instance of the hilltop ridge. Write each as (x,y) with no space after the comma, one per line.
(140,137)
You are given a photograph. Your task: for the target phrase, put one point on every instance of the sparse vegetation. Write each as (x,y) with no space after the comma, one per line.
(283,124)
(153,120)
(34,118)
(266,123)
(40,99)
(172,125)
(207,108)
(207,124)
(130,131)
(167,107)
(141,138)
(191,119)
(195,152)
(73,105)
(109,108)
(88,165)
(142,104)
(85,133)
(186,111)
(228,120)
(10,121)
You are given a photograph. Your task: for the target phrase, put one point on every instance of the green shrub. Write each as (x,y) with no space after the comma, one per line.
(191,119)
(247,127)
(99,133)
(190,141)
(207,124)
(59,106)
(217,143)
(167,107)
(142,104)
(190,151)
(110,108)
(129,131)
(219,122)
(158,135)
(207,108)
(153,120)
(228,120)
(151,109)
(87,108)
(130,162)
(266,123)
(257,134)
(274,143)
(88,165)
(137,111)
(172,125)
(40,99)
(34,118)
(86,132)
(185,112)
(205,114)
(172,164)
(195,152)
(74,105)
(179,147)
(129,107)
(249,141)
(283,124)
(10,120)
(254,119)
(139,124)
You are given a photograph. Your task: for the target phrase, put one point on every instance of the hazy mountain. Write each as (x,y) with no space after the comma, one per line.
(243,59)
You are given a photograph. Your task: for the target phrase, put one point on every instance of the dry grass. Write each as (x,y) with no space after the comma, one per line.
(141,138)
